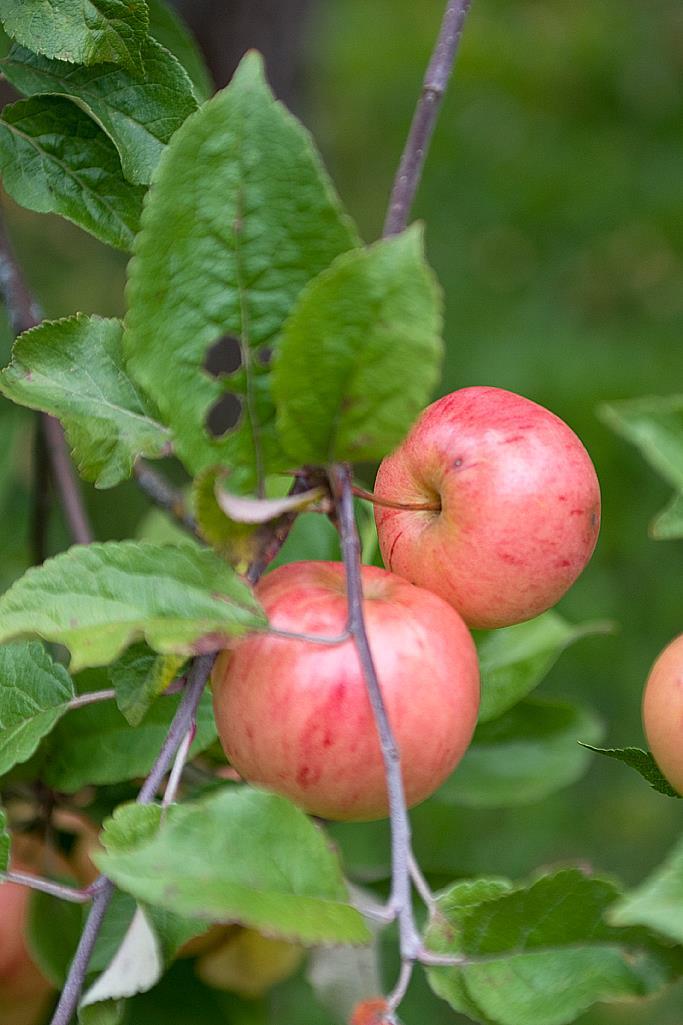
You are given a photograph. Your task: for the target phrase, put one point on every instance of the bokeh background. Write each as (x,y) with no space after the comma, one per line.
(554,208)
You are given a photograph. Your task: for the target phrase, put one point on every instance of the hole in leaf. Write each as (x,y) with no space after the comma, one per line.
(224,357)
(224,415)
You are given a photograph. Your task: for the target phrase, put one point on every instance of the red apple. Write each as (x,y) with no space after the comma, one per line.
(663,712)
(517,506)
(294,716)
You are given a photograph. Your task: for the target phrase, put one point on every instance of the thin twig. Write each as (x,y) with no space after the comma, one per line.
(47,886)
(176,774)
(40,511)
(24,314)
(91,698)
(421,885)
(65,481)
(196,681)
(291,635)
(162,494)
(427,110)
(342,486)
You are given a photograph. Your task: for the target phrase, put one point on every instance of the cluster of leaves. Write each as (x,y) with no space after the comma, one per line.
(236,232)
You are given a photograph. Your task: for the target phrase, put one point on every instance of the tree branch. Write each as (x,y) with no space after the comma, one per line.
(24,314)
(104,888)
(342,487)
(424,119)
(59,890)
(162,494)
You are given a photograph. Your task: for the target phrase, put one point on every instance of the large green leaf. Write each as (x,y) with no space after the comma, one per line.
(655,426)
(658,902)
(169,30)
(139,114)
(240,217)
(73,369)
(524,755)
(55,159)
(540,954)
(97,599)
(34,694)
(95,745)
(80,31)
(238,855)
(514,660)
(370,321)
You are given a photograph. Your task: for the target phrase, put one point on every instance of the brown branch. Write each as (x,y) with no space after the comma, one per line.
(427,110)
(163,495)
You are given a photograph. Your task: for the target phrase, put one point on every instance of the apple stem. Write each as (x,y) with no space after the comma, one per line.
(387,503)
(401,893)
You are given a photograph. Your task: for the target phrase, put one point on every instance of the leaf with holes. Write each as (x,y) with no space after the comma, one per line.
(524,755)
(79,31)
(73,369)
(216,859)
(54,159)
(541,953)
(139,114)
(97,599)
(35,693)
(371,320)
(166,26)
(241,216)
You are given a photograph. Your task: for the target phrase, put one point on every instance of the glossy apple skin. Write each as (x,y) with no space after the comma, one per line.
(294,716)
(24,992)
(520,506)
(663,712)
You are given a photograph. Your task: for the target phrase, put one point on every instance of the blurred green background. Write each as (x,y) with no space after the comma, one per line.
(554,208)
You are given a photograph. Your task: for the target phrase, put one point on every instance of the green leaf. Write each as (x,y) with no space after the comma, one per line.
(514,660)
(97,599)
(658,902)
(655,426)
(240,217)
(541,953)
(642,762)
(95,745)
(239,855)
(53,929)
(668,524)
(139,676)
(34,694)
(5,842)
(55,159)
(167,28)
(80,31)
(139,114)
(371,320)
(526,754)
(73,368)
